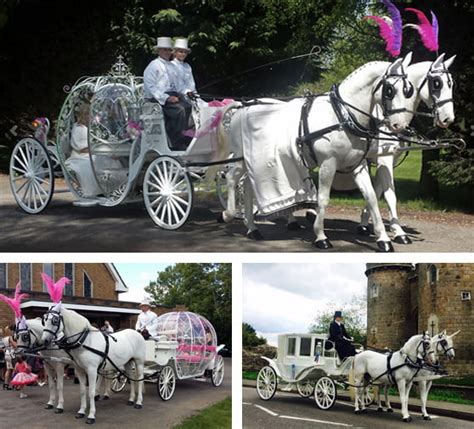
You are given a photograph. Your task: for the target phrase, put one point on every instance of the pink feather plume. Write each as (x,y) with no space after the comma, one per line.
(206,129)
(428,31)
(15,302)
(55,289)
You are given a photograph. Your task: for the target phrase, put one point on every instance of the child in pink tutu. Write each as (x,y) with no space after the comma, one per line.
(23,376)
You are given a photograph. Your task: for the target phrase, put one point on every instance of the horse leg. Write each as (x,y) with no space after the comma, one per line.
(60,387)
(232,177)
(139,373)
(252,231)
(425,387)
(107,383)
(92,376)
(326,177)
(292,224)
(388,405)
(379,399)
(98,386)
(131,374)
(362,179)
(402,390)
(81,375)
(52,387)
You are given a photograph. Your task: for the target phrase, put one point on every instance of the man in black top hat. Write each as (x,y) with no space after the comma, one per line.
(339,336)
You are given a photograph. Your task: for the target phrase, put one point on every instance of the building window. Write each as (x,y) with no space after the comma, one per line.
(3,276)
(25,276)
(305,346)
(432,274)
(49,270)
(69,273)
(374,290)
(465,296)
(87,286)
(291,346)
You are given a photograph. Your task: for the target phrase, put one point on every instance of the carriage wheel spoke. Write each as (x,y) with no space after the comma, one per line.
(179,199)
(20,161)
(159,182)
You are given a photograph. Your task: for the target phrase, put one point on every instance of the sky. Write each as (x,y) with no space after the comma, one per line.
(285,298)
(136,277)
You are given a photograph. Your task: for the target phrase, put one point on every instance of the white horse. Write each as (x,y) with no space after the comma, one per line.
(371,85)
(404,364)
(93,353)
(441,344)
(434,86)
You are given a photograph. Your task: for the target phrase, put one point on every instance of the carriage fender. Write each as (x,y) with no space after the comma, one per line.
(273,365)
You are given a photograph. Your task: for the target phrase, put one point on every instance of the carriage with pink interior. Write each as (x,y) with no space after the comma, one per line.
(111,147)
(184,347)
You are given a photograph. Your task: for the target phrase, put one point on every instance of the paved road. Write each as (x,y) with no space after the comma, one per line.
(190,397)
(289,410)
(63,227)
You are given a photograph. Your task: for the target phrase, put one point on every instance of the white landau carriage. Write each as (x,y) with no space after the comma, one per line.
(310,363)
(186,348)
(128,149)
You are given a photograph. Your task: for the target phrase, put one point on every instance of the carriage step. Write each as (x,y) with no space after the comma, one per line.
(86,203)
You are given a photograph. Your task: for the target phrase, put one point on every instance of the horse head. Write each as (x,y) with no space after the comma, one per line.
(436,91)
(444,345)
(417,348)
(395,93)
(53,324)
(28,333)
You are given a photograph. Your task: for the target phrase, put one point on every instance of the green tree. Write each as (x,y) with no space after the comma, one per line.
(355,318)
(205,289)
(250,337)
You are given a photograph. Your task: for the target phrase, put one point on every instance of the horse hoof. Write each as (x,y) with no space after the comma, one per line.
(90,421)
(426,418)
(48,407)
(356,411)
(379,409)
(389,410)
(293,226)
(363,230)
(255,235)
(402,239)
(105,398)
(407,419)
(220,218)
(97,398)
(130,403)
(58,411)
(364,411)
(323,244)
(138,406)
(311,217)
(79,416)
(385,246)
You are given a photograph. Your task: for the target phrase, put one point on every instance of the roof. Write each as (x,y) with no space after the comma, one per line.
(120,285)
(83,307)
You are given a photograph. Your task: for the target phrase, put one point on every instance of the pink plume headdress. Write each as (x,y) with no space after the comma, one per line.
(55,289)
(390,28)
(210,125)
(15,302)
(429,31)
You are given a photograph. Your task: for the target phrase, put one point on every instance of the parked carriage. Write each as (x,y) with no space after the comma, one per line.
(128,148)
(309,363)
(186,348)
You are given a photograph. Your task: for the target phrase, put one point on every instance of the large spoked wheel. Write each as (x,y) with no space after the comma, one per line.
(305,388)
(325,393)
(118,383)
(217,376)
(166,383)
(267,383)
(31,175)
(168,193)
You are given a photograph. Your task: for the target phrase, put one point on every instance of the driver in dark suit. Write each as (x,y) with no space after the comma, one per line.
(339,336)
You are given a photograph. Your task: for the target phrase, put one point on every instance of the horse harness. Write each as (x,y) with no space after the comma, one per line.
(435,85)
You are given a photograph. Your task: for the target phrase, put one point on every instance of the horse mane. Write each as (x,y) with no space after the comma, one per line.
(408,346)
(74,321)
(362,68)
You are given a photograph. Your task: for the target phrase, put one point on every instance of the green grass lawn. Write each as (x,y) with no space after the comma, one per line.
(217,416)
(249,375)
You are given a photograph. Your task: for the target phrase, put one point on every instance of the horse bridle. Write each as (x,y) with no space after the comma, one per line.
(445,346)
(25,335)
(389,91)
(56,321)
(435,85)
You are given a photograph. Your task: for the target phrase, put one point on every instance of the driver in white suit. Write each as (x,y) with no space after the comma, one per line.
(146,322)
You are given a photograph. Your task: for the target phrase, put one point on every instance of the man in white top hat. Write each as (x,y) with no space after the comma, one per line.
(160,80)
(146,322)
(186,84)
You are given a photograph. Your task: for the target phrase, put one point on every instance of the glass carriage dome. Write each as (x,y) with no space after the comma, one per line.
(196,338)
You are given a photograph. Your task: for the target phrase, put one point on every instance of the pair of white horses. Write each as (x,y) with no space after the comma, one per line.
(387,92)
(410,364)
(88,351)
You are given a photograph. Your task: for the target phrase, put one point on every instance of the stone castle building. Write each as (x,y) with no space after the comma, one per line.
(406,299)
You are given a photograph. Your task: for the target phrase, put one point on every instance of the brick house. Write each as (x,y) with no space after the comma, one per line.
(93,292)
(406,299)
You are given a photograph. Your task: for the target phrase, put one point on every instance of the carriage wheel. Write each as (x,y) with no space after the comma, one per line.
(166,383)
(369,395)
(31,175)
(217,376)
(325,393)
(168,193)
(118,383)
(267,383)
(305,388)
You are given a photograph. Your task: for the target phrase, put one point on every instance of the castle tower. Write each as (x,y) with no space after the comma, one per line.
(390,318)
